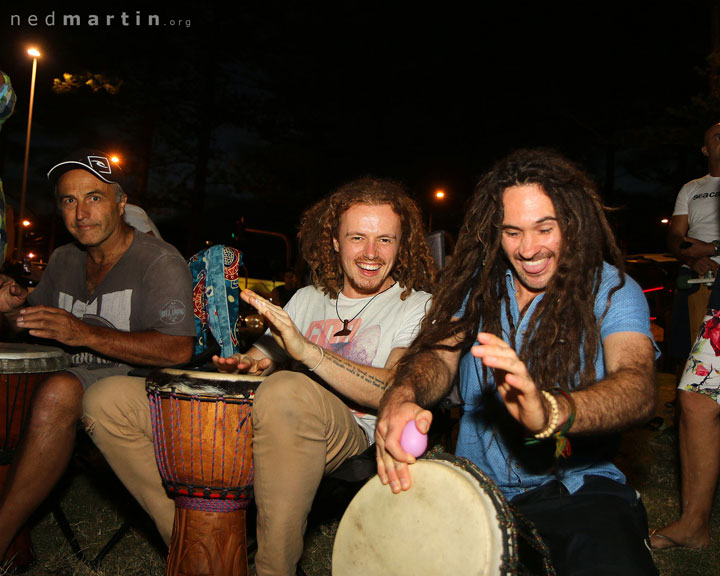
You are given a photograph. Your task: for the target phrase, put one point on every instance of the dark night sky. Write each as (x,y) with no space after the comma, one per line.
(297,99)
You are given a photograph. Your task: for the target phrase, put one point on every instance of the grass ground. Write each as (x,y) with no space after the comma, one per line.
(648,457)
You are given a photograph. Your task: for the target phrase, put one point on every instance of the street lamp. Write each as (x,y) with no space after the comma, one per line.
(439,194)
(35,54)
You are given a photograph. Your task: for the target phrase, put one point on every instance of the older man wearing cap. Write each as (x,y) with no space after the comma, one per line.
(114,299)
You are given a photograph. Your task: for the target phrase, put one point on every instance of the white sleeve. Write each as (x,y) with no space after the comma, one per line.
(681,202)
(411,320)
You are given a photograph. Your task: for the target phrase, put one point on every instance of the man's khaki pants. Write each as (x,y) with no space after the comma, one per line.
(301,432)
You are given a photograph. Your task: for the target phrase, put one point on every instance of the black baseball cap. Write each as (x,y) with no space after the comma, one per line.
(98,163)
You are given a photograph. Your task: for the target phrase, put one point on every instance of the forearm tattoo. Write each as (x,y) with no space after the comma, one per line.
(357,371)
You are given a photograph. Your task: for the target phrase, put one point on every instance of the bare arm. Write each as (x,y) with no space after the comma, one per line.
(362,384)
(626,396)
(149,348)
(698,255)
(12,298)
(422,383)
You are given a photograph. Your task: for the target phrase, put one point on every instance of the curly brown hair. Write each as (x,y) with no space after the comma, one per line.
(413,270)
(564,333)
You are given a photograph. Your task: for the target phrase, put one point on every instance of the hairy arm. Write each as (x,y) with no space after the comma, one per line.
(421,384)
(626,396)
(149,347)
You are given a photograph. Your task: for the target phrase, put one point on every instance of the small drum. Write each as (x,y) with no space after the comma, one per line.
(202,431)
(22,366)
(453,520)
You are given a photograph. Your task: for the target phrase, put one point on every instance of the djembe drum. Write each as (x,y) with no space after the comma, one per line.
(22,366)
(202,431)
(453,520)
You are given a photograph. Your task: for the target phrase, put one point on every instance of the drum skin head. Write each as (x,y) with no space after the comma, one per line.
(196,382)
(445,524)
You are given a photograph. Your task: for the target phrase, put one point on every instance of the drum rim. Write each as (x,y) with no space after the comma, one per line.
(163,384)
(210,376)
(22,358)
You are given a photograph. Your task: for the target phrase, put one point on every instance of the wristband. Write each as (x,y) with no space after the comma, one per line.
(322,355)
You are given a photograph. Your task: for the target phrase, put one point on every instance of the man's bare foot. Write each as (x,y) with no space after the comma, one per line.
(666,538)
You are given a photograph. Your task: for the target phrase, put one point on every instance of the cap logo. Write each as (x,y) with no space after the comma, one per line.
(100,164)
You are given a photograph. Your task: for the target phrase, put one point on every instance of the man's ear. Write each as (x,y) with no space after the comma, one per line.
(336,245)
(705,152)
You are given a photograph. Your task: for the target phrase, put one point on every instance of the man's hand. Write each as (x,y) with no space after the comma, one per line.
(12,295)
(282,327)
(522,398)
(54,324)
(392,461)
(698,255)
(242,363)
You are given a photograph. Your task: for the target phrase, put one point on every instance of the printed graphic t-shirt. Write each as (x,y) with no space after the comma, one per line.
(386,323)
(149,288)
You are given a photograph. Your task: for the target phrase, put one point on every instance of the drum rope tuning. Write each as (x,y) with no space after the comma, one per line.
(189,496)
(201,420)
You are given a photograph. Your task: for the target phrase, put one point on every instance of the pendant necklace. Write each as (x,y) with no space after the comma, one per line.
(345,330)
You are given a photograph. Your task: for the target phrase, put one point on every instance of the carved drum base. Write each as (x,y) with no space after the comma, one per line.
(208,544)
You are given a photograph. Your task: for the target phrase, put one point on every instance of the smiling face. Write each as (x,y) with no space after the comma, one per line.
(89,208)
(367,245)
(531,239)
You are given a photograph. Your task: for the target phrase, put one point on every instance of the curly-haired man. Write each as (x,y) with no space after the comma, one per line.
(370,265)
(552,342)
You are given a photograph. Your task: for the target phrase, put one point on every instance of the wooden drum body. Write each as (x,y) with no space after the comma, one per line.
(22,366)
(202,432)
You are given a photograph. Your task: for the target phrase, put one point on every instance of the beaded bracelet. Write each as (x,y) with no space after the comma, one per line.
(562,442)
(554,416)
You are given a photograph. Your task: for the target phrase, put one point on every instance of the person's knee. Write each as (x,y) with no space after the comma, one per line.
(695,404)
(285,395)
(111,398)
(57,400)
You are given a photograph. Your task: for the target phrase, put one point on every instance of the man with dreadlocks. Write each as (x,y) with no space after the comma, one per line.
(555,356)
(370,264)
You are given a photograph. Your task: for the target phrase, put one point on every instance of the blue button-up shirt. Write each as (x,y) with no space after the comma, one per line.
(494,441)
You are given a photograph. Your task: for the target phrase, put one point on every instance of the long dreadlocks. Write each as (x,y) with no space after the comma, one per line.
(563,329)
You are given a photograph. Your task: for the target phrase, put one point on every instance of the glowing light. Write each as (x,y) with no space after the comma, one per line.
(653,289)
(439,194)
(115,159)
(31,255)
(33,52)
(664,221)
(26,223)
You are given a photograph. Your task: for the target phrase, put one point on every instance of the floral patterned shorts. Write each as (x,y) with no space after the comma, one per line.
(702,371)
